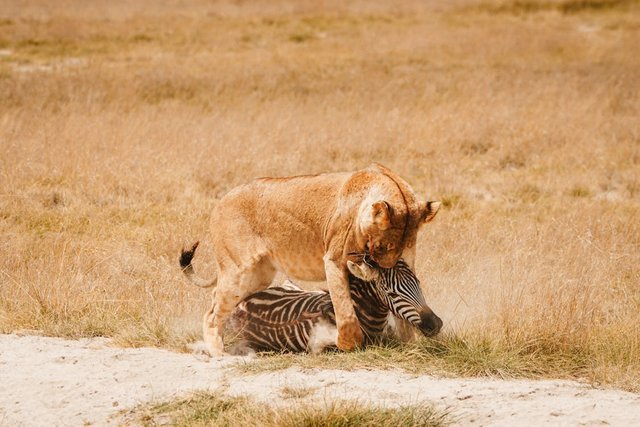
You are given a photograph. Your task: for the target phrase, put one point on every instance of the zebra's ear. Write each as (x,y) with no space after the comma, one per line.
(289,285)
(362,271)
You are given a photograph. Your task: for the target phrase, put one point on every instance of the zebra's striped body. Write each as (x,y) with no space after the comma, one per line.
(287,318)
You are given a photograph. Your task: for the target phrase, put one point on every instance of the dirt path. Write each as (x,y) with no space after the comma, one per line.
(50,381)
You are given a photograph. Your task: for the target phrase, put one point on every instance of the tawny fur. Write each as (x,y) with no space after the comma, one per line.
(307,227)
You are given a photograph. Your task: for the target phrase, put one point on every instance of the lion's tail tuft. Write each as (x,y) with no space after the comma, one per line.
(186,256)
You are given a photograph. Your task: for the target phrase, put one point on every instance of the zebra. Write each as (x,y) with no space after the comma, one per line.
(288,319)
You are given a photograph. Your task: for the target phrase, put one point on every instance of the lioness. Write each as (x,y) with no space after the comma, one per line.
(307,227)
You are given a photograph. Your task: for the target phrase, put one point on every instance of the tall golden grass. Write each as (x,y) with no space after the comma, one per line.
(121,123)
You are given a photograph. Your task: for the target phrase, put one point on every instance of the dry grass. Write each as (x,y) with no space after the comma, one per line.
(291,392)
(121,123)
(472,354)
(214,409)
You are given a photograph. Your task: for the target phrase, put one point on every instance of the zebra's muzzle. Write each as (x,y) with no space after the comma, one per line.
(430,324)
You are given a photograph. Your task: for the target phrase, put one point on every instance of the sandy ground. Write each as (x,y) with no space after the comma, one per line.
(50,381)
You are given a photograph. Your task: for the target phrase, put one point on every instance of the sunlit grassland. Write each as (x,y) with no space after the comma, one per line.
(122,124)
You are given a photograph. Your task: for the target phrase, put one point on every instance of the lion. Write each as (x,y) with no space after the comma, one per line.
(307,227)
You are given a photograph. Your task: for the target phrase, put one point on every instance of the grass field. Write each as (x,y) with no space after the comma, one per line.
(121,123)
(215,409)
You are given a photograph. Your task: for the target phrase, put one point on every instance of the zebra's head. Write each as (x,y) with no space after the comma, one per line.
(400,288)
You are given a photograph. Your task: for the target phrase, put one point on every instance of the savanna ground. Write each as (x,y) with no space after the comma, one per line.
(122,123)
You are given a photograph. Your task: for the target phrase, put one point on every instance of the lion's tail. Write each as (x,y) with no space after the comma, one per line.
(185,262)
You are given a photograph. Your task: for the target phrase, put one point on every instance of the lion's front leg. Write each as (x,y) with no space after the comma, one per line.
(349,332)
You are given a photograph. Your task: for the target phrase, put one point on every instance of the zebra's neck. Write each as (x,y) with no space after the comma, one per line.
(372,310)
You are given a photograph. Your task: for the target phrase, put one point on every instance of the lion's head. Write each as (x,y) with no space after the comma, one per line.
(389,229)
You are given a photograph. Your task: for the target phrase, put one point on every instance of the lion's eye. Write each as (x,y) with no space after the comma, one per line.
(391,247)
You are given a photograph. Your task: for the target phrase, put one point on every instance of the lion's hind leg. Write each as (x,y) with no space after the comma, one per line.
(211,331)
(232,288)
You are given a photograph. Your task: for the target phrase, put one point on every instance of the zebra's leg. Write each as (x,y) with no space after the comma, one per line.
(324,334)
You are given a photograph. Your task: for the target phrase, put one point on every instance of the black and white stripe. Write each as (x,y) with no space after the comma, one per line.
(287,318)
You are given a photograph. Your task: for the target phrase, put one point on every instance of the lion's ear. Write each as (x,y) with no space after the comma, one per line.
(430,210)
(381,213)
